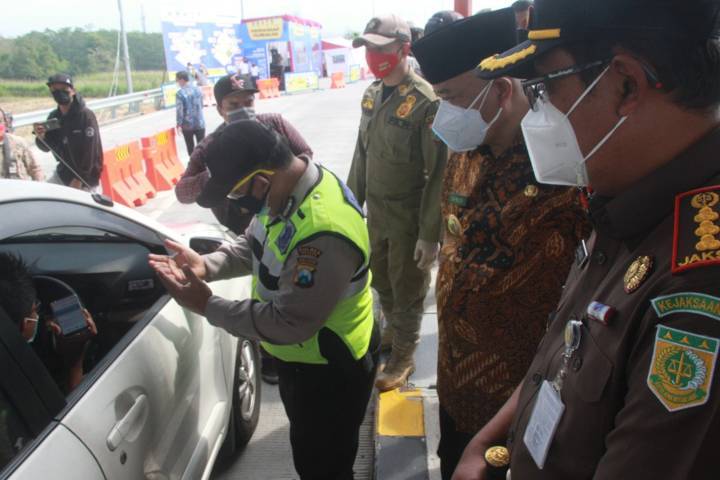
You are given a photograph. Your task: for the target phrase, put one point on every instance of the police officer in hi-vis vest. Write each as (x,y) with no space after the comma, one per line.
(397,170)
(308,251)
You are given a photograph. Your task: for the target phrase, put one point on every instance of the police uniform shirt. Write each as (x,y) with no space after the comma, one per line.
(297,312)
(641,395)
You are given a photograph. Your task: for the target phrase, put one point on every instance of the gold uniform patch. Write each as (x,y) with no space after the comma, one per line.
(406,107)
(682,368)
(403,90)
(696,240)
(368,103)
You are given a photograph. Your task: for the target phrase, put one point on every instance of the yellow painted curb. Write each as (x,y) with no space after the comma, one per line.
(400,414)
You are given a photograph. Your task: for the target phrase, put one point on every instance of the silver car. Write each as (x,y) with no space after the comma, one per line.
(164,393)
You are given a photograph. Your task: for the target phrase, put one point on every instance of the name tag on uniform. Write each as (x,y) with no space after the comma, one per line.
(13,169)
(543,423)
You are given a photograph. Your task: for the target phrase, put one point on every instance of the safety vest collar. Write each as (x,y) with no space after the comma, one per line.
(307,182)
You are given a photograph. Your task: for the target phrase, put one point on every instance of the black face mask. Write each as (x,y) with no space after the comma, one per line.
(248,204)
(62,97)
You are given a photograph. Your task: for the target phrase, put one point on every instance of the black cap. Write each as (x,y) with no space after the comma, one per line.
(60,78)
(237,150)
(560,22)
(441,19)
(233,83)
(458,47)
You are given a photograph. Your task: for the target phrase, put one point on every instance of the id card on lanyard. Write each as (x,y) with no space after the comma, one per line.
(549,408)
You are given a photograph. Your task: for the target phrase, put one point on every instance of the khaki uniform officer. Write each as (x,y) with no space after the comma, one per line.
(397,170)
(624,98)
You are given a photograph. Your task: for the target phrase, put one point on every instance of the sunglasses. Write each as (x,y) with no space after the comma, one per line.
(234,192)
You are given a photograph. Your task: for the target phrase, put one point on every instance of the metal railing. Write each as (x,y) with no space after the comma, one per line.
(133,100)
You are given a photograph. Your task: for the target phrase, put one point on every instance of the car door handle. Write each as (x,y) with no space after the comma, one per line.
(122,427)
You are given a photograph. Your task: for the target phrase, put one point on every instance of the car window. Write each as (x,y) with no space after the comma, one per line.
(67,234)
(14,434)
(92,255)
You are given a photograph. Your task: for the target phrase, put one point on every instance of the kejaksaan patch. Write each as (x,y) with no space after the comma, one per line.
(682,367)
(286,236)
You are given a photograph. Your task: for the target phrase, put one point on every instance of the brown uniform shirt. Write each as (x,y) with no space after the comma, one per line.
(640,398)
(507,249)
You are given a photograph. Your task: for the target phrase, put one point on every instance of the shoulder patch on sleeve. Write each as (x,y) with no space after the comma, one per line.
(687,302)
(305,272)
(682,368)
(696,239)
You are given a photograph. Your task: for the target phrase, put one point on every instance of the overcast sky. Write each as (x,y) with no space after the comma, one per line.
(337,16)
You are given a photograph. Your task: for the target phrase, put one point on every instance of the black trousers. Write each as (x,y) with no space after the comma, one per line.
(452,444)
(192,137)
(326,405)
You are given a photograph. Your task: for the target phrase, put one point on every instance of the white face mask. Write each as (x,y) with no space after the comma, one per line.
(463,129)
(553,147)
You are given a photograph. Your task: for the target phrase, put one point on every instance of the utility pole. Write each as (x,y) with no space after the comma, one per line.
(126,55)
(142,18)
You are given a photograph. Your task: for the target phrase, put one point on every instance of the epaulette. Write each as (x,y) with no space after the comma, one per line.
(696,239)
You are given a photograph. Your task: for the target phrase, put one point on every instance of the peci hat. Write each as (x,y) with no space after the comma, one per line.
(60,78)
(235,151)
(233,83)
(560,22)
(457,47)
(381,31)
(441,19)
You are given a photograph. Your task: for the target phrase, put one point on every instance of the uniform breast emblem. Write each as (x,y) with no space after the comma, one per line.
(403,90)
(682,367)
(637,272)
(406,107)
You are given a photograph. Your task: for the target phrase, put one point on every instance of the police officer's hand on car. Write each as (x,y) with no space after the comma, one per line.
(172,266)
(182,275)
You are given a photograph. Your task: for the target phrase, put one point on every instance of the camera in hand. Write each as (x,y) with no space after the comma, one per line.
(51,124)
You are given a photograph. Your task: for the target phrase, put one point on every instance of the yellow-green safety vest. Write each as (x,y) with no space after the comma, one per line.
(329,208)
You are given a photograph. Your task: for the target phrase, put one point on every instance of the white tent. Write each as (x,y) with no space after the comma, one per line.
(340,56)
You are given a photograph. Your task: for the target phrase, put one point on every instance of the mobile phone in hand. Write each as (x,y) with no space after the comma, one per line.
(68,313)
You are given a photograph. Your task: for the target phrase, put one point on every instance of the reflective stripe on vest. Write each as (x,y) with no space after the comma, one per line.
(326,210)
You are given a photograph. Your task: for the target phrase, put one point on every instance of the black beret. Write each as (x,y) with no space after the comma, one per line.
(459,47)
(560,22)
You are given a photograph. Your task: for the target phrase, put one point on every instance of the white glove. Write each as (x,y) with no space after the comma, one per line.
(425,253)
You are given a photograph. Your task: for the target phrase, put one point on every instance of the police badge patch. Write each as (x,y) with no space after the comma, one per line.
(305,272)
(682,368)
(286,236)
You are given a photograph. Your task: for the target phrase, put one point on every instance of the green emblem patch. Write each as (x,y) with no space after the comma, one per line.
(682,367)
(458,199)
(687,302)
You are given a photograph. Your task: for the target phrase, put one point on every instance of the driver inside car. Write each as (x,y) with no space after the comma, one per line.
(62,355)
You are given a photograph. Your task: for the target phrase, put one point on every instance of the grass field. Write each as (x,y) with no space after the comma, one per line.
(22,96)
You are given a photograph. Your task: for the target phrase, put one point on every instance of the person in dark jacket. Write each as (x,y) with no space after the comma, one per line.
(76,141)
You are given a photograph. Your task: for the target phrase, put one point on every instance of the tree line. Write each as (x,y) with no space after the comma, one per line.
(36,55)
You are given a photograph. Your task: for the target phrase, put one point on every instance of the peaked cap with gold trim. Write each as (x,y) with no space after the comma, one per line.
(560,22)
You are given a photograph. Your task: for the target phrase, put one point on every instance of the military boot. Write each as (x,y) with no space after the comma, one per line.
(397,370)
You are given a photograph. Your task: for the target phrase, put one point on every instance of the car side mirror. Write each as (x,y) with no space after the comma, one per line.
(205,245)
